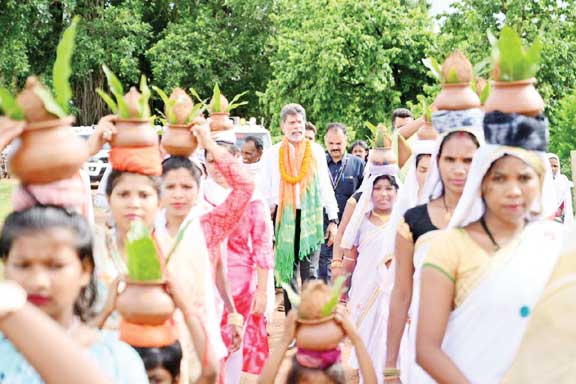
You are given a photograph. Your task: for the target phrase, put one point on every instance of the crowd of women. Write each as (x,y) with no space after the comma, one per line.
(458,259)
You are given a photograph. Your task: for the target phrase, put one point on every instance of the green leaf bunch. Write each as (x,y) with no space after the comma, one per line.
(330,306)
(379,134)
(59,105)
(169,116)
(215,105)
(119,106)
(143,260)
(513,61)
(9,106)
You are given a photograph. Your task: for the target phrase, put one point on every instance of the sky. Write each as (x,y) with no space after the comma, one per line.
(439,6)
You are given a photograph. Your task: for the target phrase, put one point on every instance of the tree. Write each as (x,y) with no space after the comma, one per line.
(216,41)
(347,60)
(554,21)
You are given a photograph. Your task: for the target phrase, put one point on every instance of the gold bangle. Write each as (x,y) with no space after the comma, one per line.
(236,319)
(349,259)
(392,373)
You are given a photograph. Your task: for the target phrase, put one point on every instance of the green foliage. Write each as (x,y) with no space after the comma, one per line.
(215,104)
(168,104)
(563,130)
(49,101)
(9,106)
(485,92)
(514,62)
(143,260)
(379,133)
(119,106)
(143,102)
(433,67)
(349,61)
(330,306)
(62,66)
(292,295)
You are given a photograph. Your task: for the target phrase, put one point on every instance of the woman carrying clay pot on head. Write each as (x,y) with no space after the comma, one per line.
(482,278)
(316,367)
(48,251)
(449,165)
(136,195)
(248,255)
(207,227)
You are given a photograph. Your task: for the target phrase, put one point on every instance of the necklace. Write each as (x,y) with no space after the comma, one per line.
(449,211)
(487,230)
(303,169)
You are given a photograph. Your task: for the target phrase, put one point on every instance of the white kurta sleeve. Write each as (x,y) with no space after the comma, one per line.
(326,190)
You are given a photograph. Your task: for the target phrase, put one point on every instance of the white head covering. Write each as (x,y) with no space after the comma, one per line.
(365,203)
(471,207)
(446,122)
(562,187)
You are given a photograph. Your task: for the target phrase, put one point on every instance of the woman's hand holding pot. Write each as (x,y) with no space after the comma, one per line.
(9,130)
(290,324)
(102,134)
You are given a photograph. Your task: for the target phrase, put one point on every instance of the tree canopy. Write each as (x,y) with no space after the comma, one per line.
(344,60)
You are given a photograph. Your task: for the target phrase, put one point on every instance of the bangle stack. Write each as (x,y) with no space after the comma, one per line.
(236,319)
(391,374)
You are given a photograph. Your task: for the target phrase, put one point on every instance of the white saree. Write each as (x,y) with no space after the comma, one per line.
(485,331)
(369,295)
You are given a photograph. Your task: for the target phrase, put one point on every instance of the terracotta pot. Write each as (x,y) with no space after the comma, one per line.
(427,132)
(515,97)
(319,335)
(183,105)
(134,133)
(177,140)
(457,96)
(49,151)
(382,156)
(31,104)
(220,121)
(145,303)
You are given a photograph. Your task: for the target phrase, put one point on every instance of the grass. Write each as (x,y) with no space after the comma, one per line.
(6,188)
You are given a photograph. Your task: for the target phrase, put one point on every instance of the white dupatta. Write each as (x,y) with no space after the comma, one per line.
(485,331)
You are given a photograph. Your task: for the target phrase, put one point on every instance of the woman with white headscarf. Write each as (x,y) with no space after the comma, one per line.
(460,136)
(563,187)
(362,243)
(483,276)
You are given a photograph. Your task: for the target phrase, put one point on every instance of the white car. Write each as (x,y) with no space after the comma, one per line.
(251,129)
(97,164)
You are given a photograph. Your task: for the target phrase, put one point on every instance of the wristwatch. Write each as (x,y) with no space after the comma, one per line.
(12,298)
(333,221)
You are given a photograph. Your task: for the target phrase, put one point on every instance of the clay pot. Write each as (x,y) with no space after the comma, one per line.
(515,97)
(177,140)
(145,303)
(134,133)
(223,104)
(382,156)
(132,99)
(461,65)
(427,132)
(183,105)
(31,104)
(456,96)
(49,151)
(319,335)
(220,121)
